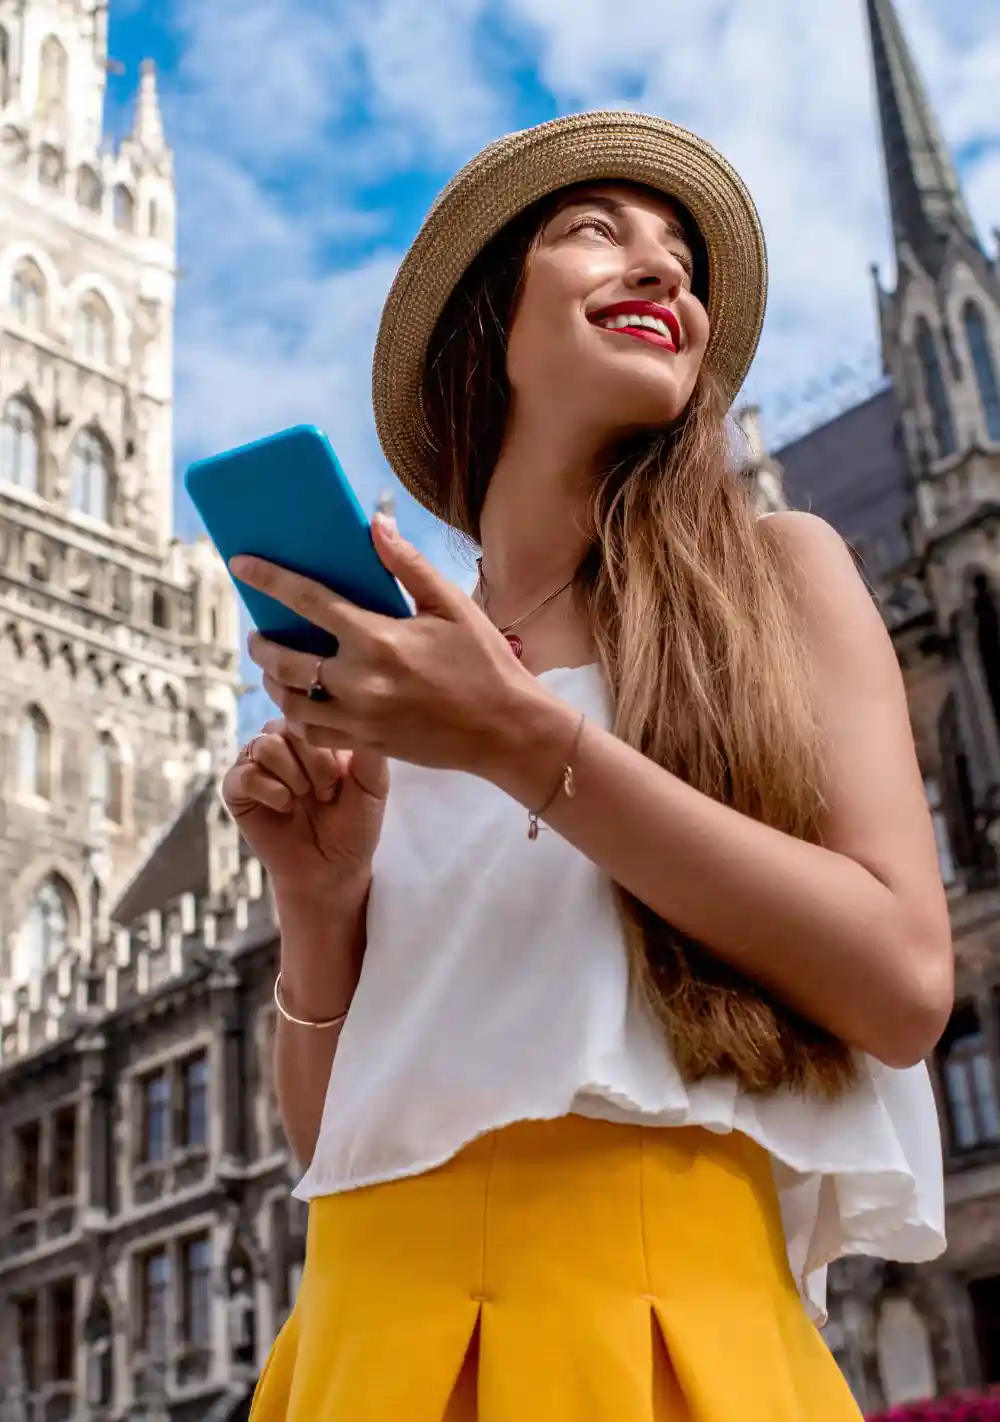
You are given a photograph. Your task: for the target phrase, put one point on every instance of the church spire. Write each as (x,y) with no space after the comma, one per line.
(925,196)
(147,126)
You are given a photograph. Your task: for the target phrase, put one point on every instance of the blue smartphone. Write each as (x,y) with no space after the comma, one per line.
(285,498)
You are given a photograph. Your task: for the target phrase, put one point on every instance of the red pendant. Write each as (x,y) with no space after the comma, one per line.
(516,645)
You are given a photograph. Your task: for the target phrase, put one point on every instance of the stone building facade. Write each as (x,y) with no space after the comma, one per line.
(118,663)
(911,477)
(118,689)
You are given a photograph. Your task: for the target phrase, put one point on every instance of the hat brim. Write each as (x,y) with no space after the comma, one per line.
(509,176)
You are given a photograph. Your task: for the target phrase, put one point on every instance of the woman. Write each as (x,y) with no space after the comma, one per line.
(606,1100)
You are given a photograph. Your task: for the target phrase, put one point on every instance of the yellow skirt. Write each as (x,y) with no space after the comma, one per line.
(561,1271)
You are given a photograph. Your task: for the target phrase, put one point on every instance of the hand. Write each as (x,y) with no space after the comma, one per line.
(311,816)
(435,689)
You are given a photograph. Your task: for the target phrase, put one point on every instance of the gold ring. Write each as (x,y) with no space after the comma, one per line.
(317,691)
(247,751)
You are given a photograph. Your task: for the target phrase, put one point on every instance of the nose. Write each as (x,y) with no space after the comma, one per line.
(657,270)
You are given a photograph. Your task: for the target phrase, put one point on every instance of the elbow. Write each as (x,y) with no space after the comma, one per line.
(919,1012)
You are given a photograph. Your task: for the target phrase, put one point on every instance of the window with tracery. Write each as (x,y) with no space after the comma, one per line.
(44,935)
(124,209)
(92,333)
(90,475)
(983,367)
(968,1075)
(34,750)
(89,189)
(935,391)
(51,101)
(19,445)
(27,295)
(106,779)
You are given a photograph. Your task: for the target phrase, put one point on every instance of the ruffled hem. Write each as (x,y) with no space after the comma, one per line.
(858,1176)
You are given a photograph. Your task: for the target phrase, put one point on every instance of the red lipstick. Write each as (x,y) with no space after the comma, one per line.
(643,333)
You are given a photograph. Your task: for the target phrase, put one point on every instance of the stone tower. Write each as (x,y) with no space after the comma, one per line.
(118,663)
(941,347)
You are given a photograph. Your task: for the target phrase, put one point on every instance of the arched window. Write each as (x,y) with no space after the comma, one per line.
(969,1080)
(124,208)
(935,392)
(34,754)
(106,779)
(19,445)
(93,329)
(89,189)
(27,295)
(153,218)
(158,609)
(51,166)
(51,80)
(44,935)
(983,366)
(90,475)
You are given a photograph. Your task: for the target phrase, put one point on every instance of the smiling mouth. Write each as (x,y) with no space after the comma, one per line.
(643,320)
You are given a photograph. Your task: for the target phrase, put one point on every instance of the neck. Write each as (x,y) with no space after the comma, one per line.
(533,526)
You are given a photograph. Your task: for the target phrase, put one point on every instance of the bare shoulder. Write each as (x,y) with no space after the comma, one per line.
(820,571)
(806,542)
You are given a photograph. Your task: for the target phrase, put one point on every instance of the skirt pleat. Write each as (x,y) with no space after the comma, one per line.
(571,1270)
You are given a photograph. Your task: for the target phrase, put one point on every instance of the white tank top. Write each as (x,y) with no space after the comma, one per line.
(495,989)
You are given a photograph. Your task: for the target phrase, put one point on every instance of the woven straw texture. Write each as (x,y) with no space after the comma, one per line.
(507,177)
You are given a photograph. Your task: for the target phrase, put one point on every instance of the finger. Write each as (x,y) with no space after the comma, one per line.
(297,706)
(319,764)
(308,598)
(274,754)
(251,787)
(296,670)
(321,738)
(430,590)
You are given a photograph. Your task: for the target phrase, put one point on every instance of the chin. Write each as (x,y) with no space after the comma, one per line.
(645,405)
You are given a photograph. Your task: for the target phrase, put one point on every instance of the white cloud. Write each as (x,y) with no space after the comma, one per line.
(287,116)
(784,90)
(293,119)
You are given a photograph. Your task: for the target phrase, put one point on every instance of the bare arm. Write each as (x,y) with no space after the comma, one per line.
(322,947)
(853,933)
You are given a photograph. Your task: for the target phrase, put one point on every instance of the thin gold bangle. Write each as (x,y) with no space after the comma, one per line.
(301,1021)
(565,783)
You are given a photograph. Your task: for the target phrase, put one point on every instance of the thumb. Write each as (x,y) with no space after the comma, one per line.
(429,589)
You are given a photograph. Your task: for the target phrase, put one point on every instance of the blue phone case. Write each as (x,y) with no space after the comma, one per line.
(285,498)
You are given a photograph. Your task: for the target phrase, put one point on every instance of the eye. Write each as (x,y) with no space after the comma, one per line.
(599,224)
(687,262)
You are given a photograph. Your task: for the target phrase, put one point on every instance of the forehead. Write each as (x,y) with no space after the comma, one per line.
(625,198)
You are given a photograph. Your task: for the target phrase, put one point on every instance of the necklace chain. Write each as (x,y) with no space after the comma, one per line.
(550,597)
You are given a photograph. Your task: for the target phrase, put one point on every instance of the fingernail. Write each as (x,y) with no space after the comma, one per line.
(387,523)
(240,565)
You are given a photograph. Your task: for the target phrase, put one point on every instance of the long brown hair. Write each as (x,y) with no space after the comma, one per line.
(692,623)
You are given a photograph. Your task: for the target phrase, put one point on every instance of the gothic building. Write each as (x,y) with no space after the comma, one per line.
(149,1249)
(118,685)
(911,477)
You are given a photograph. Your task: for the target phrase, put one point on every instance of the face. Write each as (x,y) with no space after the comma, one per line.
(607,328)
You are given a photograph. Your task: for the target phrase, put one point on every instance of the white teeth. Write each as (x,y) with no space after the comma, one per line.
(650,323)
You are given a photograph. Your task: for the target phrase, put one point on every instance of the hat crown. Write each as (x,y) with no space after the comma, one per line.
(510,174)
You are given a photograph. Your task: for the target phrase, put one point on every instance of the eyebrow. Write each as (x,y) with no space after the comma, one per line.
(615,207)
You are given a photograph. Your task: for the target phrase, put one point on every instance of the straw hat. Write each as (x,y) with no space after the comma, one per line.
(504,179)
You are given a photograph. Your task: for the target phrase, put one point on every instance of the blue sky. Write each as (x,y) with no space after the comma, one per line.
(311,135)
